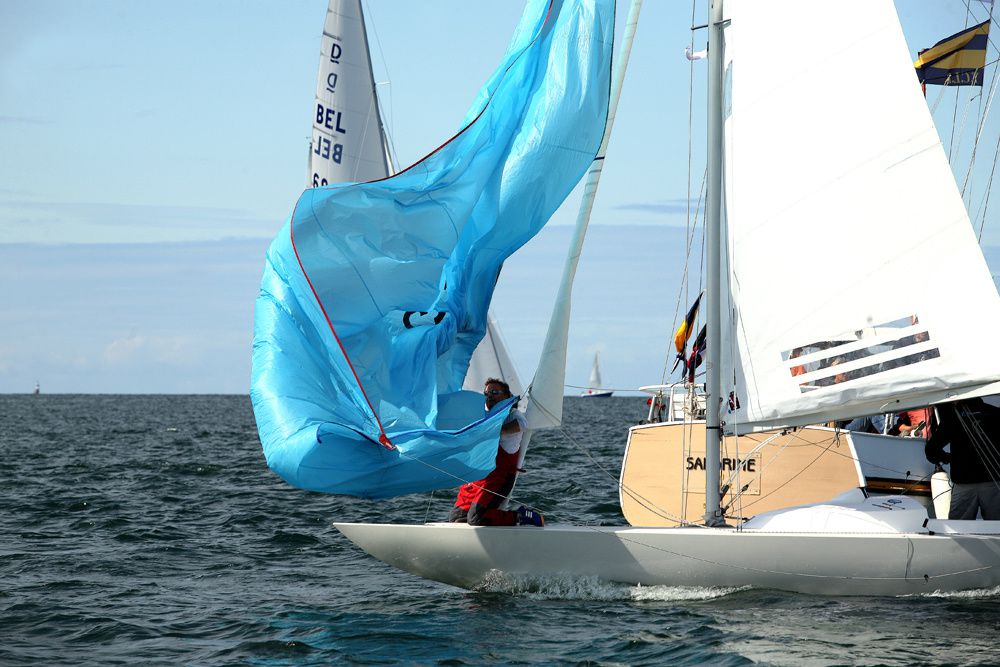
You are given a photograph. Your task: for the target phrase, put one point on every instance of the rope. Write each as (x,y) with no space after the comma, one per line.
(980,441)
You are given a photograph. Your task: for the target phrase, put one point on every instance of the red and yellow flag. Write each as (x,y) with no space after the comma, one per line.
(686,327)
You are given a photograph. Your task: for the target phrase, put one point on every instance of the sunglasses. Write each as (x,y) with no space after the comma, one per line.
(493,392)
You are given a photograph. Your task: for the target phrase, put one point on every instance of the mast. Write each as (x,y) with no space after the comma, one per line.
(713,319)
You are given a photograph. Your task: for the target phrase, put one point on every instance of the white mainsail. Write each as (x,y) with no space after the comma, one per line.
(348,142)
(856,281)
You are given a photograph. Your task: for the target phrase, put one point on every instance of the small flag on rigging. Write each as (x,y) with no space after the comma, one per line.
(957,60)
(684,331)
(697,349)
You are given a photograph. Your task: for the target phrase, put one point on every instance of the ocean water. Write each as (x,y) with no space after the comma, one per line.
(147,529)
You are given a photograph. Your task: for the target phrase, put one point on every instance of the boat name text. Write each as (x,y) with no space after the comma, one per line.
(726,463)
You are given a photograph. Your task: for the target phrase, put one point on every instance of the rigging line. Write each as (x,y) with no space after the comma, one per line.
(459,479)
(686,273)
(951,141)
(989,185)
(979,132)
(372,105)
(385,65)
(652,507)
(793,477)
(738,496)
(658,510)
(981,441)
(995,153)
(910,487)
(635,495)
(965,118)
(683,292)
(989,16)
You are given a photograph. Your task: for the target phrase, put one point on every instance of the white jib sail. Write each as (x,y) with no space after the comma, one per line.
(545,406)
(491,360)
(348,144)
(857,283)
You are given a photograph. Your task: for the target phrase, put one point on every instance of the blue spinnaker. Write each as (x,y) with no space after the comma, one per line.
(375,295)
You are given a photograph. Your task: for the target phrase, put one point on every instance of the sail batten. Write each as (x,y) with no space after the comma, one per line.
(873,230)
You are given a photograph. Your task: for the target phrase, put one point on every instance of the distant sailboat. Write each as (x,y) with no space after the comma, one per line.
(595,390)
(38,389)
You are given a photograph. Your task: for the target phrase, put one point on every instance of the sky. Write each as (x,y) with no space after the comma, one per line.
(152,150)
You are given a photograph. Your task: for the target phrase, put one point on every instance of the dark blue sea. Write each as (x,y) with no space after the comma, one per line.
(147,529)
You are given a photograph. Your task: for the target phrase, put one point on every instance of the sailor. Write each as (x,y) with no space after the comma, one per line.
(972,428)
(478,503)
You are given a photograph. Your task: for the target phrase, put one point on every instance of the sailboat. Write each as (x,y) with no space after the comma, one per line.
(795,157)
(595,389)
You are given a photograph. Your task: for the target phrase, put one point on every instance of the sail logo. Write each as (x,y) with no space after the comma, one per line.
(331,82)
(870,350)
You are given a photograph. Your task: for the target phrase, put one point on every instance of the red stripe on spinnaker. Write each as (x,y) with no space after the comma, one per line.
(383,438)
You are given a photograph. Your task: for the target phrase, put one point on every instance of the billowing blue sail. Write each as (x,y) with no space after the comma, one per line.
(375,295)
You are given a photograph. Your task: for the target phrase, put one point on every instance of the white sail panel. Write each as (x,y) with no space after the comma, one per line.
(857,283)
(347,138)
(491,360)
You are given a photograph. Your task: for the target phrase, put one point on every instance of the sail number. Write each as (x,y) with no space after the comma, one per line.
(331,119)
(328,150)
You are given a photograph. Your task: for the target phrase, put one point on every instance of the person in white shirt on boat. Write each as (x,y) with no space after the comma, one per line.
(972,428)
(478,503)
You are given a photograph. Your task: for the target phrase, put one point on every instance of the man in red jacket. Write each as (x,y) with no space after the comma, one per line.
(478,503)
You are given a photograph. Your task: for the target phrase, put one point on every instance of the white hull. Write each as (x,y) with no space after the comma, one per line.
(596,394)
(858,562)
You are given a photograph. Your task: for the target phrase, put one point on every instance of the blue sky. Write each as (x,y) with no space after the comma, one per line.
(151,150)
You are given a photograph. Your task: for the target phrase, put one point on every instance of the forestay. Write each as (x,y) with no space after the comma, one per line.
(374,295)
(857,284)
